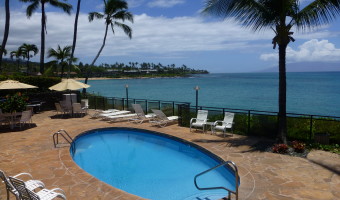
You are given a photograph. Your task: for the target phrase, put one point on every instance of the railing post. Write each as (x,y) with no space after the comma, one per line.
(147,107)
(180,117)
(311,128)
(123,102)
(104,103)
(159,105)
(95,104)
(173,108)
(248,128)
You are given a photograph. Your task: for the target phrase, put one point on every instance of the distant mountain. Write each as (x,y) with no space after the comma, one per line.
(307,67)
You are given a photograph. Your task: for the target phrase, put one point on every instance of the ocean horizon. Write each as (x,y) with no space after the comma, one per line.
(312,93)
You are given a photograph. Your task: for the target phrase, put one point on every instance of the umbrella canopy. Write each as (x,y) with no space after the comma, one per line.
(69,84)
(12,84)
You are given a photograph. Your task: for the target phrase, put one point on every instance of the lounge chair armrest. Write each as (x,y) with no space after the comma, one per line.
(218,121)
(59,190)
(21,174)
(192,120)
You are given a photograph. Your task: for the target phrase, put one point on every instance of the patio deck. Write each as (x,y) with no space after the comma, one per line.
(263,175)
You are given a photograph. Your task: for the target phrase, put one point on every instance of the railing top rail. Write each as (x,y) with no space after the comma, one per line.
(253,111)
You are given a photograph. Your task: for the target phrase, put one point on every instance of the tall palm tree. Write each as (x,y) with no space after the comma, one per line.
(25,50)
(6,31)
(32,8)
(74,38)
(4,51)
(280,16)
(62,55)
(114,11)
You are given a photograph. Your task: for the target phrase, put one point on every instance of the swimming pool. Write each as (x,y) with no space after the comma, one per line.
(149,164)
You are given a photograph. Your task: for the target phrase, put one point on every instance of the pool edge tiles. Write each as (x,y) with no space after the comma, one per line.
(152,158)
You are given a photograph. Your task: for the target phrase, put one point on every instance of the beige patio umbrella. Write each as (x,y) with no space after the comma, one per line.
(69,84)
(13,84)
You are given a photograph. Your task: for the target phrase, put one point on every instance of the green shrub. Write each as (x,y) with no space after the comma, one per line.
(14,103)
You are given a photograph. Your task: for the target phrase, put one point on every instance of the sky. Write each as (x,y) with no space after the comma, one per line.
(169,32)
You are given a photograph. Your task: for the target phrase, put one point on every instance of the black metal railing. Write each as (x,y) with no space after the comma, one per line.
(247,122)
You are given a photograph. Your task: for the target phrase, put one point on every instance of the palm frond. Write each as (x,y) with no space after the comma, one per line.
(113,6)
(317,13)
(123,15)
(250,13)
(127,30)
(31,8)
(64,6)
(93,15)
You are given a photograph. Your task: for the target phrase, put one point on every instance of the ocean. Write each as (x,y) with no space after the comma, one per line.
(314,93)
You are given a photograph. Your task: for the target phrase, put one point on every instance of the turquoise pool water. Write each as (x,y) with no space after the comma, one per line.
(149,165)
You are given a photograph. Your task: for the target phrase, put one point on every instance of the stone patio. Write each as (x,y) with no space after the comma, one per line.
(263,175)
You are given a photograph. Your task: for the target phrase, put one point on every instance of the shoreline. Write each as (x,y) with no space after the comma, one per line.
(103,78)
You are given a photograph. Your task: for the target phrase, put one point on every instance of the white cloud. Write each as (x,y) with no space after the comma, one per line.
(310,51)
(135,3)
(159,36)
(165,3)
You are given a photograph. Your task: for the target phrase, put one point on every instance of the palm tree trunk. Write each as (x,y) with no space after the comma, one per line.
(97,56)
(42,48)
(74,38)
(4,41)
(62,68)
(28,64)
(282,129)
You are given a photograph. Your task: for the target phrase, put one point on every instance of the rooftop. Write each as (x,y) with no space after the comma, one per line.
(263,175)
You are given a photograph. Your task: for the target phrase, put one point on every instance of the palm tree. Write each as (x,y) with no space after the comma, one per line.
(280,16)
(25,50)
(62,55)
(4,51)
(17,55)
(32,8)
(4,40)
(114,10)
(74,37)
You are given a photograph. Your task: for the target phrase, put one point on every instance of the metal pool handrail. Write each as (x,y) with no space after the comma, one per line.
(229,163)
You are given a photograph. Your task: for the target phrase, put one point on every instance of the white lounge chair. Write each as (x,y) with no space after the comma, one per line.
(200,121)
(114,118)
(27,194)
(30,184)
(161,119)
(106,116)
(141,117)
(226,123)
(95,113)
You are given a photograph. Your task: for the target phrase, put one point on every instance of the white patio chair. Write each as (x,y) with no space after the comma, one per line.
(26,118)
(27,194)
(225,124)
(76,107)
(30,184)
(200,121)
(161,119)
(141,117)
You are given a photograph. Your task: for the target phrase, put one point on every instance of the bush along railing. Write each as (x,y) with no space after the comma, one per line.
(322,129)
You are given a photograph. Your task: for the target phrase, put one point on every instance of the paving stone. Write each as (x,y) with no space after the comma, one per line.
(263,175)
